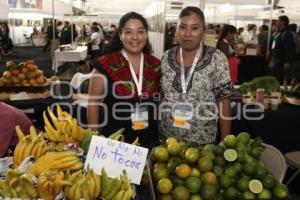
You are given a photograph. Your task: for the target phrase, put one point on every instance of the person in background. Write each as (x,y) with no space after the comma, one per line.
(124,82)
(250,34)
(226,42)
(59,28)
(282,51)
(262,38)
(195,81)
(10,117)
(66,36)
(239,33)
(49,33)
(95,41)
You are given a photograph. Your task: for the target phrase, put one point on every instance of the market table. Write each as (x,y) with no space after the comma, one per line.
(80,53)
(279,128)
(251,67)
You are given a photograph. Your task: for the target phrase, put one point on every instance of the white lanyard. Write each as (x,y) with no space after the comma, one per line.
(138,83)
(184,83)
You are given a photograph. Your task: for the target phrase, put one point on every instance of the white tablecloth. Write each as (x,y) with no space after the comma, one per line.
(80,53)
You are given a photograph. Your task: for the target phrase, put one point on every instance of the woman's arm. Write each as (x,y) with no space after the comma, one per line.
(224,108)
(97,85)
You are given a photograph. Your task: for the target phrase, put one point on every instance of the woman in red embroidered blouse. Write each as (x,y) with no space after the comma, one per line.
(124,85)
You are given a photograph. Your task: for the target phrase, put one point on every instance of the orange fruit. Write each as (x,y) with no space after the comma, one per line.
(1,83)
(21,76)
(195,172)
(183,171)
(205,164)
(181,193)
(160,173)
(192,154)
(15,80)
(15,72)
(164,185)
(161,154)
(7,74)
(209,178)
(174,148)
(171,140)
(32,67)
(24,70)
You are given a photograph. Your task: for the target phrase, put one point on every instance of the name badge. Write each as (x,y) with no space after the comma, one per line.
(139,118)
(182,115)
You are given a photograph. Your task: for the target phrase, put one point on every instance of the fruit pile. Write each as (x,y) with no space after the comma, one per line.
(58,166)
(230,170)
(22,74)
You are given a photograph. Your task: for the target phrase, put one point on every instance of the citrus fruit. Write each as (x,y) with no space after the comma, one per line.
(225,181)
(255,186)
(231,193)
(195,197)
(173,162)
(209,178)
(205,164)
(208,152)
(174,148)
(240,147)
(230,155)
(218,170)
(269,181)
(160,173)
(181,193)
(170,140)
(166,197)
(250,168)
(192,155)
(256,151)
(193,184)
(237,166)
(248,195)
(243,184)
(183,171)
(220,160)
(280,191)
(230,141)
(218,150)
(261,172)
(161,154)
(243,137)
(160,165)
(265,194)
(195,172)
(164,185)
(208,191)
(231,171)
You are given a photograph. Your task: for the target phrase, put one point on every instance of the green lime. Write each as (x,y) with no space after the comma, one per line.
(250,168)
(193,184)
(230,141)
(225,181)
(261,172)
(192,155)
(256,151)
(208,191)
(230,155)
(269,181)
(220,160)
(243,137)
(231,193)
(208,152)
(255,186)
(243,184)
(237,166)
(265,194)
(218,150)
(248,195)
(218,170)
(240,147)
(160,173)
(173,162)
(181,193)
(231,171)
(280,191)
(205,164)
(164,185)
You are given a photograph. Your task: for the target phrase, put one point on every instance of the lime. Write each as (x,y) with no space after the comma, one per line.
(208,191)
(164,185)
(192,155)
(261,172)
(193,184)
(205,164)
(256,151)
(160,173)
(237,166)
(241,156)
(269,181)
(220,160)
(243,184)
(225,181)
(161,154)
(209,146)
(208,152)
(255,186)
(250,168)
(170,140)
(243,137)
(265,194)
(248,195)
(218,150)
(230,141)
(231,193)
(240,147)
(174,148)
(173,162)
(280,191)
(231,171)
(230,155)
(181,193)
(218,170)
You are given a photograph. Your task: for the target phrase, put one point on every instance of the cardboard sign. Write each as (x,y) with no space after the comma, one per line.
(115,156)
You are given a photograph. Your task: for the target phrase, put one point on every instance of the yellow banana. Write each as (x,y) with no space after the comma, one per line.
(63,161)
(53,135)
(72,179)
(20,133)
(136,141)
(18,153)
(47,122)
(92,185)
(28,186)
(32,133)
(77,166)
(119,196)
(26,148)
(53,118)
(59,112)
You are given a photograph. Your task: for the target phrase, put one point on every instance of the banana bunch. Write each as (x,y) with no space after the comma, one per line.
(17,185)
(62,128)
(121,191)
(86,185)
(56,161)
(29,145)
(51,183)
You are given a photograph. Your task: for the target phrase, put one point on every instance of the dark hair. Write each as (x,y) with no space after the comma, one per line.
(95,28)
(189,10)
(224,31)
(251,26)
(285,20)
(116,43)
(264,27)
(293,27)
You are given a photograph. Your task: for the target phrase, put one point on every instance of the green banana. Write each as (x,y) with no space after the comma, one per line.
(114,186)
(116,135)
(28,186)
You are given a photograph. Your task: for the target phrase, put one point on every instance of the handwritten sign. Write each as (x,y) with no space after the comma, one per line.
(115,156)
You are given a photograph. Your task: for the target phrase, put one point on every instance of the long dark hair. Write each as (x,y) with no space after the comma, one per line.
(225,30)
(116,43)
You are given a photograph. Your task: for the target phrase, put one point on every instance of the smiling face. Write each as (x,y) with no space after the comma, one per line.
(190,32)
(133,36)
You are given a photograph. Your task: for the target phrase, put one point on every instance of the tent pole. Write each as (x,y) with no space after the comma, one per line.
(270,28)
